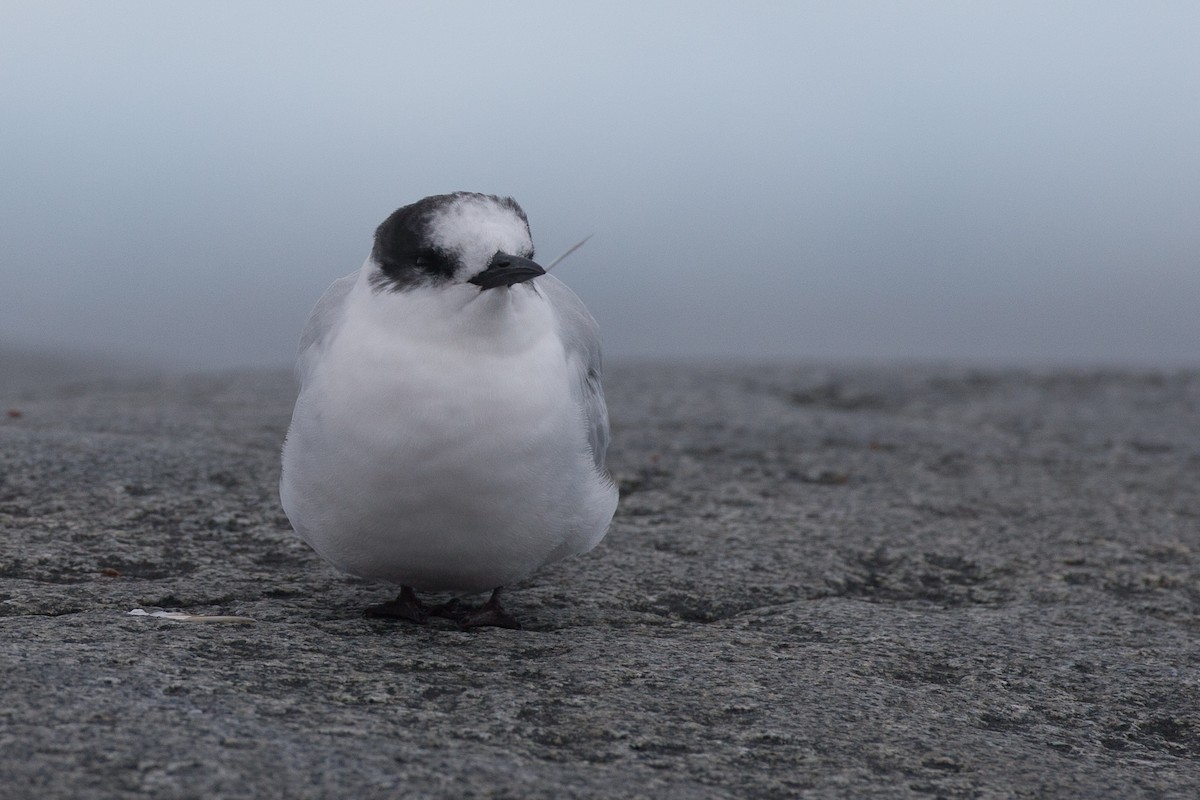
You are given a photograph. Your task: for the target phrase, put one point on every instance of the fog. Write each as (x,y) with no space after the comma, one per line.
(979,182)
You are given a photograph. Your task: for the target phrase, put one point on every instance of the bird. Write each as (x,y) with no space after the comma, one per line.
(450,431)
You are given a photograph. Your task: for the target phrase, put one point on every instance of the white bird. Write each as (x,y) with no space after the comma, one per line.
(450,431)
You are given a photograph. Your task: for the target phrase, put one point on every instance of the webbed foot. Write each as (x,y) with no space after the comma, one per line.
(406,607)
(490,614)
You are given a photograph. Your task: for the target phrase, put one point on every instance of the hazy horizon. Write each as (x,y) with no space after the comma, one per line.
(992,182)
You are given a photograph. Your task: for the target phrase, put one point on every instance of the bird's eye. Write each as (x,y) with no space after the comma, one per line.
(428,259)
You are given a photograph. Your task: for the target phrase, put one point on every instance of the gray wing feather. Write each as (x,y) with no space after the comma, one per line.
(325,314)
(581,338)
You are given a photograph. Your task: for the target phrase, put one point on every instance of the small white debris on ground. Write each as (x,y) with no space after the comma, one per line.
(179,616)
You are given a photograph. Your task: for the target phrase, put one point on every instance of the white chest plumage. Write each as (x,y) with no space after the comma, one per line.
(439,458)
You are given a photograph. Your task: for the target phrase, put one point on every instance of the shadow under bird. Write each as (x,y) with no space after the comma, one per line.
(450,430)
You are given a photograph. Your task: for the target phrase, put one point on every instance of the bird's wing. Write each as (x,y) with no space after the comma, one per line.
(325,315)
(581,339)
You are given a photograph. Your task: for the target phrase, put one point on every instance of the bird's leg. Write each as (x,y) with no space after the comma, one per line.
(491,614)
(406,606)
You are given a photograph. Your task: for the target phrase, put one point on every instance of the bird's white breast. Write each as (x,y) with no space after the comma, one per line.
(436,442)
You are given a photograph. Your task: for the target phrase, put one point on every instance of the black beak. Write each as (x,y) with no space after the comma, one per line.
(505,270)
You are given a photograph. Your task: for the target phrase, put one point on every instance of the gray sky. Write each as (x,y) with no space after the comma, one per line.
(975,181)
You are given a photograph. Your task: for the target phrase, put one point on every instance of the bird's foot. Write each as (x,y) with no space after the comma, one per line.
(490,614)
(406,606)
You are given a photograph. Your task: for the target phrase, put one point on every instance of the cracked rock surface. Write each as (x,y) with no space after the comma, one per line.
(821,582)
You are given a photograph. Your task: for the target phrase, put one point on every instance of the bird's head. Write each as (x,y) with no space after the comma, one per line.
(459,238)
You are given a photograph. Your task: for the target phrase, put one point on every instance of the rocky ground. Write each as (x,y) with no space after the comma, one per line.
(821,582)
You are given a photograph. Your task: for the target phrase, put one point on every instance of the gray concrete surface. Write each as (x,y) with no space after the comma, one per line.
(821,582)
